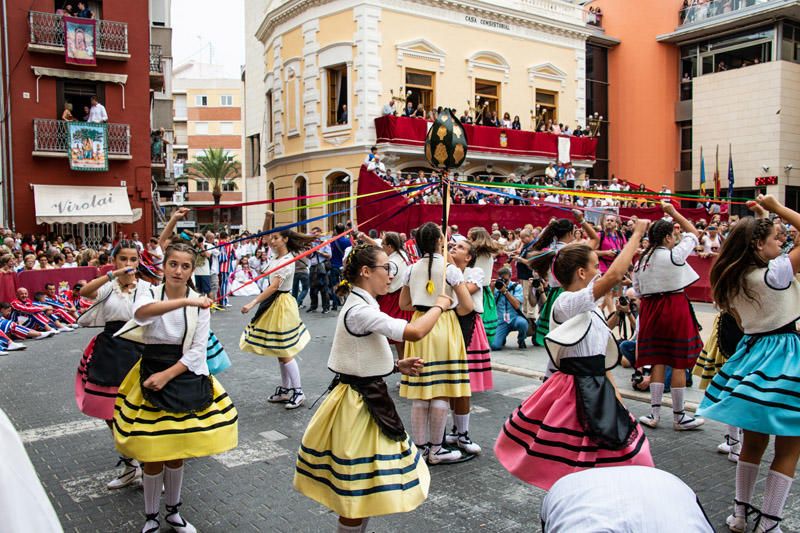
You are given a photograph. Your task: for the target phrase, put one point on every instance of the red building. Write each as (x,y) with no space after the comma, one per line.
(38,84)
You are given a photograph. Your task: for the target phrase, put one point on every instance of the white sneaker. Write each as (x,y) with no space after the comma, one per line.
(53,331)
(177,522)
(3,353)
(44,335)
(444,456)
(466,444)
(650,420)
(298,399)
(687,422)
(282,395)
(724,447)
(737,524)
(64,329)
(14,346)
(131,473)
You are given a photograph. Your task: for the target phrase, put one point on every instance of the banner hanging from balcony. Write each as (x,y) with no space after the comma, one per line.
(88,146)
(80,41)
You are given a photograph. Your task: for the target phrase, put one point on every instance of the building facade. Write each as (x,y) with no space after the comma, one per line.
(40,85)
(330,67)
(207,114)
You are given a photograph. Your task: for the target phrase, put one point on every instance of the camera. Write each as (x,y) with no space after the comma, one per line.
(624,301)
(536,283)
(499,284)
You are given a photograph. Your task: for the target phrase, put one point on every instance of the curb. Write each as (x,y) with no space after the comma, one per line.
(627,394)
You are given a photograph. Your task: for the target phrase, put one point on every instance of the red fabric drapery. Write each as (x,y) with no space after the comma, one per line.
(412,131)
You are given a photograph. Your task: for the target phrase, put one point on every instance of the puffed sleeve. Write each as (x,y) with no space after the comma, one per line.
(363,319)
(143,298)
(780,273)
(283,272)
(104,291)
(570,304)
(474,275)
(685,247)
(195,357)
(454,275)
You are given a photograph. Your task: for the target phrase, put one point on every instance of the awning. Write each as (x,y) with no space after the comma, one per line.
(72,205)
(80,74)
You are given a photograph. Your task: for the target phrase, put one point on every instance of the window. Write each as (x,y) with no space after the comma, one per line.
(336,79)
(421,86)
(253,155)
(201,100)
(202,186)
(268,118)
(226,128)
(226,100)
(728,52)
(686,144)
(180,106)
(487,92)
(338,183)
(301,214)
(547,101)
(790,44)
(229,186)
(75,95)
(201,128)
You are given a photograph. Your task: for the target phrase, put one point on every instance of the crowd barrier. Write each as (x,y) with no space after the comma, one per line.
(35,280)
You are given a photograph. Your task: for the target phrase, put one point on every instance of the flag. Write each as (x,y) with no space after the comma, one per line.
(716,176)
(730,173)
(702,173)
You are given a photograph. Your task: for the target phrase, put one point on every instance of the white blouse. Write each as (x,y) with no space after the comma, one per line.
(118,305)
(286,274)
(364,319)
(453,275)
(570,304)
(170,328)
(402,267)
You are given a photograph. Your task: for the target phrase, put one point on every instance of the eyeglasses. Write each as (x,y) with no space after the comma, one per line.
(390,268)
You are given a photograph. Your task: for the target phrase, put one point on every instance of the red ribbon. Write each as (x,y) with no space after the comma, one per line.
(259,202)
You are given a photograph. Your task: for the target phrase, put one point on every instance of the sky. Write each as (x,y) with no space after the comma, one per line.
(203,29)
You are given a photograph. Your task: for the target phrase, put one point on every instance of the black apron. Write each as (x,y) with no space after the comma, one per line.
(379,404)
(467,323)
(728,334)
(112,357)
(186,393)
(603,418)
(264,306)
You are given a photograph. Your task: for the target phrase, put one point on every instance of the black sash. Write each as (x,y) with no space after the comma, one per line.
(112,357)
(604,419)
(185,393)
(379,404)
(266,304)
(728,334)
(467,323)
(791,327)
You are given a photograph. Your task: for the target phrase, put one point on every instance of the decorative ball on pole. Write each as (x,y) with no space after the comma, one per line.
(446,142)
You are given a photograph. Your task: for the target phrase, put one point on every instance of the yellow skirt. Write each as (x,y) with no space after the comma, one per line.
(278,332)
(149,434)
(445,373)
(349,466)
(710,359)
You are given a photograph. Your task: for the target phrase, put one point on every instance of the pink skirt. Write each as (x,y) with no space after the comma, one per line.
(479,359)
(543,441)
(668,332)
(390,304)
(92,399)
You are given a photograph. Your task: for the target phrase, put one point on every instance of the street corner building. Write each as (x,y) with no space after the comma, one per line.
(80,99)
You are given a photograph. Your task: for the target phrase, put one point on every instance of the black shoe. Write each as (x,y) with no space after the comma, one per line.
(326,311)
(311,310)
(521,344)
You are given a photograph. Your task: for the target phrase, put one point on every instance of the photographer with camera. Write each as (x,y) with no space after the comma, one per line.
(508,299)
(525,274)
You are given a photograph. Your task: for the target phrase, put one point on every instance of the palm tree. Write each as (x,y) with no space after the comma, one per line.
(217,167)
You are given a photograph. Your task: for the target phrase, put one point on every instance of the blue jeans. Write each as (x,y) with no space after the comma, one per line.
(518,324)
(300,278)
(628,351)
(334,277)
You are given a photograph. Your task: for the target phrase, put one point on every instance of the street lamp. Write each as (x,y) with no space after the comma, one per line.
(594,122)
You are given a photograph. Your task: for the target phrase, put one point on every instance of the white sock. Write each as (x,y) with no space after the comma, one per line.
(453,418)
(656,392)
(364,525)
(341,528)
(293,375)
(437,421)
(776,490)
(173,480)
(462,423)
(419,421)
(734,435)
(678,394)
(152,492)
(285,383)
(746,476)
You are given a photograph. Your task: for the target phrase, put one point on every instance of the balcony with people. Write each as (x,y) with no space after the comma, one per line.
(51,139)
(700,11)
(47,32)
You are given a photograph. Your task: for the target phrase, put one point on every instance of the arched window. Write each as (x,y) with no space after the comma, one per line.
(271,196)
(338,182)
(300,189)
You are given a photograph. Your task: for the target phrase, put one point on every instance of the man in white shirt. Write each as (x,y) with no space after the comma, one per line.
(614,186)
(97,113)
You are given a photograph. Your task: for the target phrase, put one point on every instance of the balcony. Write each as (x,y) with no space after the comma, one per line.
(50,139)
(156,67)
(701,11)
(47,36)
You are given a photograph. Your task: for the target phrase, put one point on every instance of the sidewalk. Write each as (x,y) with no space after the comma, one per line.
(532,363)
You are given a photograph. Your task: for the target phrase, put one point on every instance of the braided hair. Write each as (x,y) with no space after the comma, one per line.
(556,230)
(737,257)
(428,236)
(391,238)
(656,234)
(360,256)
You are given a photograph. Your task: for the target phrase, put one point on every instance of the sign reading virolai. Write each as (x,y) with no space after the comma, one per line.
(82,204)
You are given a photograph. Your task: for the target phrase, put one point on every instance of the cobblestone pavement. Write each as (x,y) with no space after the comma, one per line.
(250,488)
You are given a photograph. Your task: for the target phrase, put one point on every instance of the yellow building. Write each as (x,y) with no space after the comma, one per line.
(322,56)
(207,114)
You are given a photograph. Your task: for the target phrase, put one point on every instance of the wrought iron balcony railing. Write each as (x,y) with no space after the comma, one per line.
(701,10)
(156,59)
(47,29)
(50,137)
